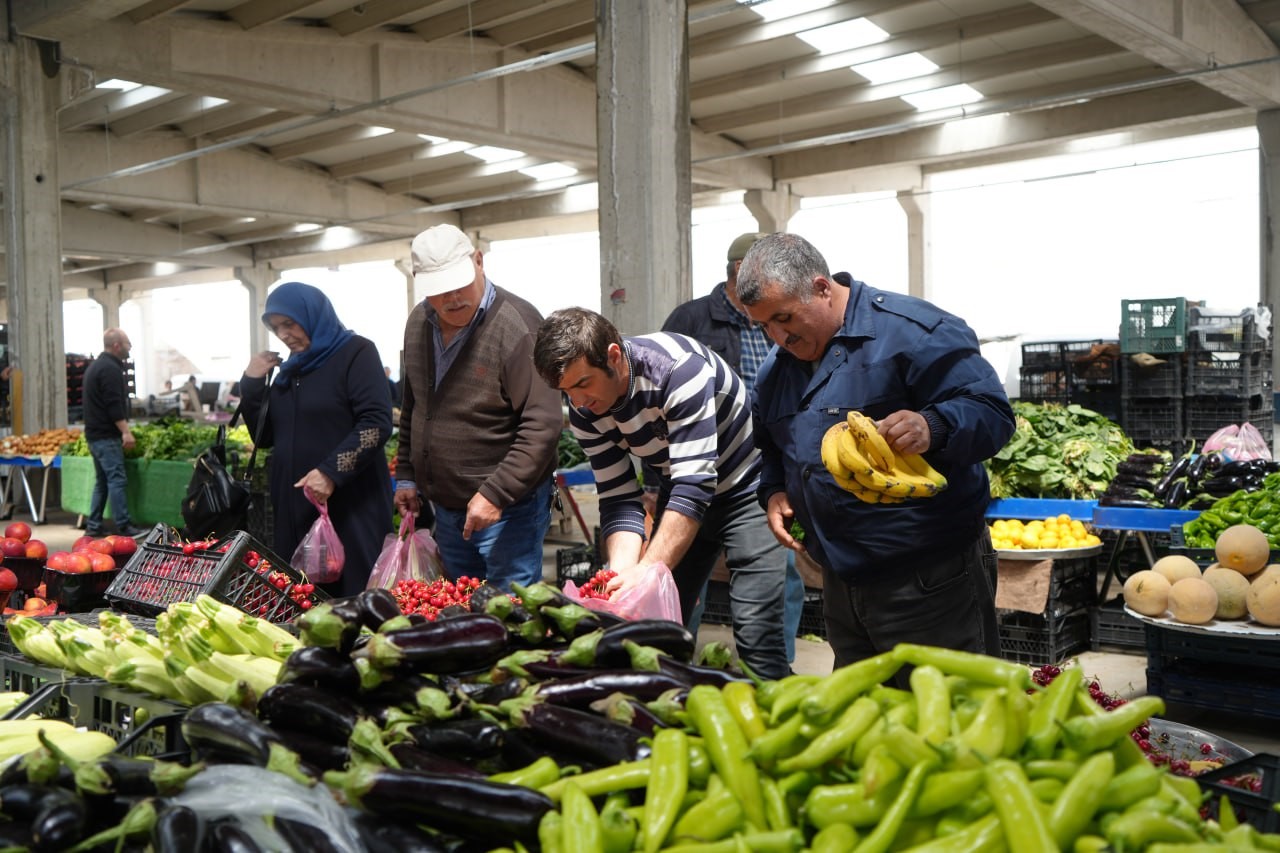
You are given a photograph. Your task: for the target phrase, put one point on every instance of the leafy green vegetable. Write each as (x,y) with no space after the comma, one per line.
(1058,452)
(569,452)
(174,439)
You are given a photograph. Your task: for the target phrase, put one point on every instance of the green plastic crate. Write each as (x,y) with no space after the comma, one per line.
(154,492)
(1153,325)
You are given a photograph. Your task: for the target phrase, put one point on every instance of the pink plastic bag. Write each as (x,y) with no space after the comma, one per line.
(407,555)
(320,555)
(655,597)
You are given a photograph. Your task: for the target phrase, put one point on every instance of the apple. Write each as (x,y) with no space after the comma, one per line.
(33,604)
(36,549)
(58,560)
(122,546)
(11,547)
(18,530)
(101,546)
(101,562)
(81,543)
(8,581)
(79,562)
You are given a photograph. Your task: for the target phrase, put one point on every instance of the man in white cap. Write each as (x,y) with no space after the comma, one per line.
(478,428)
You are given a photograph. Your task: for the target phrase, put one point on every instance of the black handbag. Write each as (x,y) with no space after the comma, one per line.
(218,503)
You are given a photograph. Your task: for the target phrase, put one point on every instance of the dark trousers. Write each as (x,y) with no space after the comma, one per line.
(948,601)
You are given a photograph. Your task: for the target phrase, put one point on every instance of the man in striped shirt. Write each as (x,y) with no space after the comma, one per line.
(673,404)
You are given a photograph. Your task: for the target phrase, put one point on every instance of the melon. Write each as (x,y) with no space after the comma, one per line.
(1147,592)
(1269,573)
(1193,601)
(1242,547)
(1263,601)
(1175,567)
(1232,588)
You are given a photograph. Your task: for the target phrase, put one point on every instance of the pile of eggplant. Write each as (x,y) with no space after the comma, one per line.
(432,735)
(1193,481)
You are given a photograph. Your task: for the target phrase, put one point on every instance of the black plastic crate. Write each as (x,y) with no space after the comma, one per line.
(1092,363)
(811,621)
(716,606)
(160,573)
(1202,686)
(1205,415)
(1043,386)
(1042,639)
(576,563)
(1258,657)
(1110,626)
(1228,374)
(260,521)
(1242,332)
(1253,807)
(1042,354)
(1153,421)
(1103,399)
(1158,380)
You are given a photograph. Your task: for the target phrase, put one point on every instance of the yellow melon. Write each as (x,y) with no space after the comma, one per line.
(1147,592)
(1263,600)
(1175,567)
(1193,601)
(1242,547)
(1232,588)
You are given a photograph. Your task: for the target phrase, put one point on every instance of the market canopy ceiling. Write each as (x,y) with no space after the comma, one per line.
(214,133)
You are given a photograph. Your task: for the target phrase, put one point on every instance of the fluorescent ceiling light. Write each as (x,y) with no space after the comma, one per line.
(118,84)
(211,102)
(378,130)
(896,68)
(434,140)
(845,35)
(493,154)
(304,227)
(549,171)
(773,10)
(947,96)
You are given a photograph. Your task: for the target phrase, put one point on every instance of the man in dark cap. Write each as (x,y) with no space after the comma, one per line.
(718,321)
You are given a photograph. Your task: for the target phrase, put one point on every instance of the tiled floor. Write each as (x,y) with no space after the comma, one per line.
(1119,673)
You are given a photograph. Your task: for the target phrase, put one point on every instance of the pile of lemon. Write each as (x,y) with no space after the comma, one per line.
(1052,533)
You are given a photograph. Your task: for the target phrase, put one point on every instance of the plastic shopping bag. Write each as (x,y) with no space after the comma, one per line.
(320,555)
(655,597)
(407,555)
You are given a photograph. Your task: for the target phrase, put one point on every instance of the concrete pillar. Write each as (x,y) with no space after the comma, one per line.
(772,209)
(405,266)
(110,297)
(30,93)
(256,279)
(642,130)
(916,206)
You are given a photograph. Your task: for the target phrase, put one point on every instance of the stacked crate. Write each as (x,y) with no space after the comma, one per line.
(1229,372)
(1151,393)
(1063,372)
(1062,629)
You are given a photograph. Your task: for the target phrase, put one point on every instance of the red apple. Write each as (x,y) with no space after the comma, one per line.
(81,543)
(58,560)
(79,562)
(18,530)
(101,546)
(101,562)
(122,546)
(36,549)
(11,547)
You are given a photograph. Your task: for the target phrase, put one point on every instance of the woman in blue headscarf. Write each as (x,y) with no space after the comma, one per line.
(328,417)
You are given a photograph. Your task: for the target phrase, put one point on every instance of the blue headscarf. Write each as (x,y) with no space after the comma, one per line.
(311,309)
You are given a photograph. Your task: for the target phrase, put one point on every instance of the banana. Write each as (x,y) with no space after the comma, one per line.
(918,465)
(872,496)
(850,454)
(830,454)
(873,445)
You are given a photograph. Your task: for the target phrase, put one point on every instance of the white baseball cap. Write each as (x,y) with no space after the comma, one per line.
(442,260)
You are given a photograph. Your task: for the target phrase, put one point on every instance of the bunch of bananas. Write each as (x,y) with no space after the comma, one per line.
(863,463)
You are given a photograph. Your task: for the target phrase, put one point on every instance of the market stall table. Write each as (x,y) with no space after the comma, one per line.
(15,467)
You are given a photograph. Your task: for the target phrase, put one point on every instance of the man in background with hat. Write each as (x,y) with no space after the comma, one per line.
(718,321)
(478,429)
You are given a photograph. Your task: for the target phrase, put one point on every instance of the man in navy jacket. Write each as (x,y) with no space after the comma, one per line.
(919,571)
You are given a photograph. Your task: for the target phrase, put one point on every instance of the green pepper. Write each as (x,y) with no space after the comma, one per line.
(944,790)
(970,665)
(880,770)
(549,831)
(839,689)
(881,838)
(1050,710)
(668,781)
(1136,830)
(1046,790)
(716,816)
(727,746)
(909,749)
(1088,735)
(856,720)
(779,841)
(606,780)
(986,734)
(984,835)
(617,827)
(836,838)
(777,813)
(540,773)
(1130,786)
(933,703)
(741,699)
(781,698)
(1051,768)
(580,829)
(782,741)
(847,803)
(1025,827)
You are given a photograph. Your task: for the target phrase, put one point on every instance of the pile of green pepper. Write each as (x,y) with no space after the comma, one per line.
(1260,508)
(970,758)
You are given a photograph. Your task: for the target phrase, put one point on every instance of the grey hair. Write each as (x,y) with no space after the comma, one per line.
(787,260)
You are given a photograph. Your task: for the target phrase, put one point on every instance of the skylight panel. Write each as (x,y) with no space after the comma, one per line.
(773,10)
(947,96)
(118,84)
(493,154)
(845,35)
(434,140)
(549,171)
(895,68)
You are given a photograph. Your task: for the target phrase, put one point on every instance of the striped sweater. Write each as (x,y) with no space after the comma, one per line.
(686,414)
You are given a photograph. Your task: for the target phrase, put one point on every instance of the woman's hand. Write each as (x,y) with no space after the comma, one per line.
(319,483)
(261,364)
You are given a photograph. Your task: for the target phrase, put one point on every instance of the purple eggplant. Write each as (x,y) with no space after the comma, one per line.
(309,709)
(321,667)
(466,739)
(377,607)
(413,757)
(606,648)
(228,837)
(465,643)
(582,690)
(178,829)
(223,732)
(334,624)
(630,712)
(585,736)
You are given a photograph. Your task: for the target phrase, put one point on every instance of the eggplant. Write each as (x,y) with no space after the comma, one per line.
(310,709)
(1131,482)
(1221,485)
(462,644)
(480,598)
(383,836)
(413,757)
(629,712)
(15,833)
(334,624)
(1141,468)
(1134,503)
(320,666)
(582,690)
(574,620)
(377,606)
(587,737)
(492,694)
(606,649)
(1242,467)
(228,837)
(303,837)
(224,732)
(59,822)
(451,611)
(1178,469)
(692,673)
(1199,468)
(320,752)
(466,739)
(1176,494)
(178,829)
(23,801)
(123,775)
(473,808)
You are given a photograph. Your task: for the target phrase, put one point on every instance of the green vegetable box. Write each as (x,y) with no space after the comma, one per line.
(155,491)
